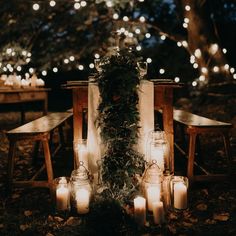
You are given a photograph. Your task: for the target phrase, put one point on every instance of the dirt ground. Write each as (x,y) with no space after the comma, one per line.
(212,206)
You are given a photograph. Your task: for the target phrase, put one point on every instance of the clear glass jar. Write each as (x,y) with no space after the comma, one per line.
(81,189)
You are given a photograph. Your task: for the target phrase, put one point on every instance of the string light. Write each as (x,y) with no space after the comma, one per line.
(115,16)
(55,69)
(125,18)
(226,66)
(192,59)
(162,71)
(9,51)
(204,70)
(77,5)
(44,72)
(195,65)
(224,50)
(163,37)
(96,55)
(179,44)
(186,20)
(138,48)
(216,69)
(31,70)
(66,61)
(194,83)
(213,48)
(137,31)
(202,78)
(109,3)
(232,70)
(185,44)
(71,58)
(91,65)
(142,19)
(52,3)
(187,8)
(81,67)
(148,35)
(131,35)
(24,53)
(185,25)
(83,3)
(198,53)
(234,76)
(36,6)
(27,75)
(177,79)
(149,60)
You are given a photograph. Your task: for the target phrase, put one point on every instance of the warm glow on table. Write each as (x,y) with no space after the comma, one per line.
(140,210)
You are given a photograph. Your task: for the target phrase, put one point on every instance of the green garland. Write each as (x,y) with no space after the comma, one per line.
(118,118)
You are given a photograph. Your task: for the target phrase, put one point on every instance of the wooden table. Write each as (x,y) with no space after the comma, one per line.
(163,99)
(25,95)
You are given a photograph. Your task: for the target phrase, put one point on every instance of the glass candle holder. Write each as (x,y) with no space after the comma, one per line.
(81,152)
(61,192)
(179,192)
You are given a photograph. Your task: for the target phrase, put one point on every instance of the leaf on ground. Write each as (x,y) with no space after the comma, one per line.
(221,216)
(73,221)
(58,219)
(210,222)
(201,207)
(28,213)
(24,227)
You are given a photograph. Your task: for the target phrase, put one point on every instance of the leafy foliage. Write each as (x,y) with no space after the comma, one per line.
(118,119)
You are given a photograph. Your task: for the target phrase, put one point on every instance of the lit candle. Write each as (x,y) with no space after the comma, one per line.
(140,210)
(82,201)
(62,198)
(83,154)
(180,196)
(153,195)
(158,212)
(157,154)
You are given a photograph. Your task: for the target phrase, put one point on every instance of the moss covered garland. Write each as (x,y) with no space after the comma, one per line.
(118,118)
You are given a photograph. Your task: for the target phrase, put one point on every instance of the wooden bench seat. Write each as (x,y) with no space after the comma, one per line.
(38,130)
(196,125)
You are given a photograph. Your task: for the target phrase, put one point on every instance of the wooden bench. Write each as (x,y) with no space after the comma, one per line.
(39,130)
(195,125)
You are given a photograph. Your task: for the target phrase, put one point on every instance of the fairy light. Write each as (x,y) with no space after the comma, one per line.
(122,29)
(234,76)
(161,71)
(109,3)
(137,31)
(81,67)
(138,48)
(91,65)
(194,83)
(31,70)
(163,37)
(83,3)
(195,65)
(216,69)
(52,3)
(125,18)
(27,75)
(224,50)
(141,0)
(0,64)
(149,60)
(187,8)
(28,60)
(202,78)
(29,54)
(8,66)
(35,6)
(185,44)
(66,61)
(179,44)
(9,51)
(126,33)
(232,70)
(204,70)
(71,58)
(148,35)
(55,69)
(24,53)
(185,25)
(186,20)
(77,5)
(198,53)
(131,35)
(142,19)
(96,55)
(4,69)
(226,66)
(213,48)
(115,16)
(177,79)
(13,54)
(44,72)
(192,59)
(11,69)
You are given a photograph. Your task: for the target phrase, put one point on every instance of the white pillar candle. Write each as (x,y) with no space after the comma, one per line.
(140,210)
(157,154)
(180,195)
(83,154)
(82,201)
(158,212)
(62,198)
(153,195)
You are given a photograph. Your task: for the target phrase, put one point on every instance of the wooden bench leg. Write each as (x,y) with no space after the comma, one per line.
(48,163)
(191,155)
(228,152)
(11,160)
